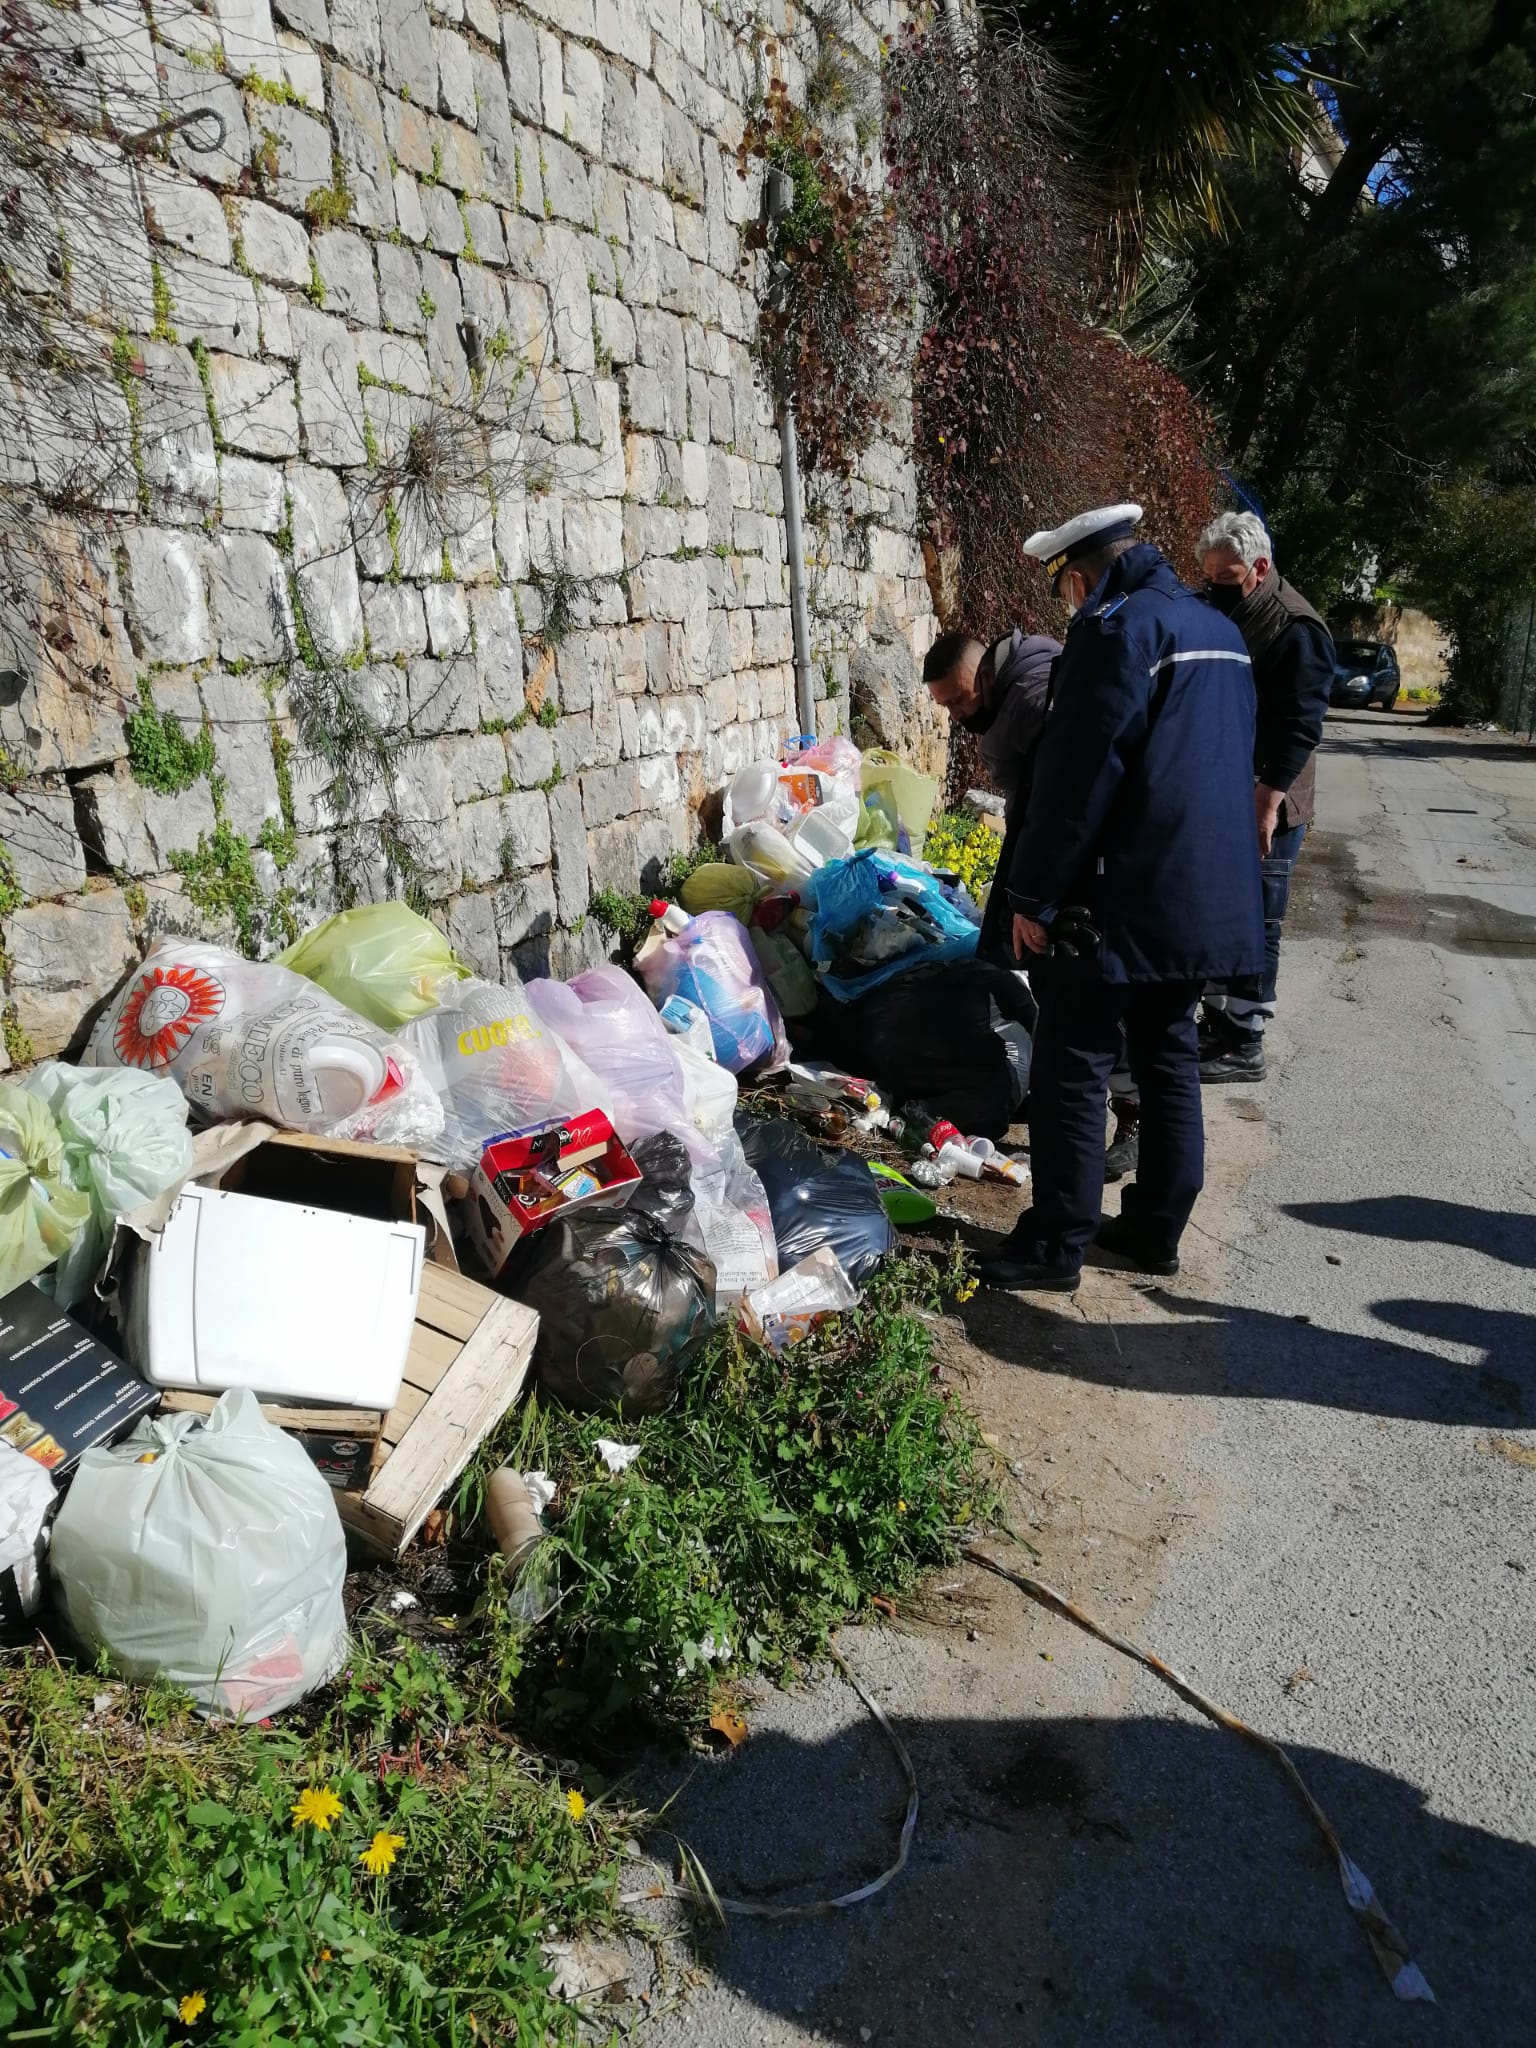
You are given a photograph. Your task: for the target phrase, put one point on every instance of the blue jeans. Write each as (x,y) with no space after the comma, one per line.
(1248,1004)
(1086,1026)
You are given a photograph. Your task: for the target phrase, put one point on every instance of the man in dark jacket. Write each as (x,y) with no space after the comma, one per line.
(1293,664)
(1135,881)
(998,693)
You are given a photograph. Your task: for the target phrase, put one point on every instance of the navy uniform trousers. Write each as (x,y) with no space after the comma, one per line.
(1077,1047)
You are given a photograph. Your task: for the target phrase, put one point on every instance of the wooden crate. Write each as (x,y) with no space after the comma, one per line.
(467,1364)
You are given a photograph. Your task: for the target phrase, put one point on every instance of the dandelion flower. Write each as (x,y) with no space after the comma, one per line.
(316,1806)
(965,1290)
(901,1507)
(191,2008)
(575,1805)
(380,1853)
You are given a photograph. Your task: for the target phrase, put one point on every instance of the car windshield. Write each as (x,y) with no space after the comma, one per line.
(1358,653)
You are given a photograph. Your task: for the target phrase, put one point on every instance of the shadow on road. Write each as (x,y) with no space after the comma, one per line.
(1267,1357)
(1424,1219)
(1207,1912)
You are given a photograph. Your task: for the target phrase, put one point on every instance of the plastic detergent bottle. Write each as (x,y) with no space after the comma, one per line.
(667,920)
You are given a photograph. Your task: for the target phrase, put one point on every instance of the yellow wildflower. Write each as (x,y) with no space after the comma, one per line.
(901,1507)
(380,1853)
(191,2008)
(316,1806)
(575,1805)
(965,1290)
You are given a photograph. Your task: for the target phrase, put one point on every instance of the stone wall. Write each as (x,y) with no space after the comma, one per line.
(420,528)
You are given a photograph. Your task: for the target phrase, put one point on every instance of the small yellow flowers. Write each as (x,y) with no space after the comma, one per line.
(316,1806)
(901,1507)
(575,1805)
(191,2008)
(380,1853)
(966,1289)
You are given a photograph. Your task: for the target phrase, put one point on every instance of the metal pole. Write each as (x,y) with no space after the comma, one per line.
(794,544)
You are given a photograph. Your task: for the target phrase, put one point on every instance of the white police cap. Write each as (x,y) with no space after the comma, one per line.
(1080,536)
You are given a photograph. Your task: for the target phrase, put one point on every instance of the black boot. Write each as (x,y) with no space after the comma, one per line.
(1117,1243)
(1234,1057)
(1124,1147)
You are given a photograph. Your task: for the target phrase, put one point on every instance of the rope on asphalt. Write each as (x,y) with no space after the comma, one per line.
(1391,1951)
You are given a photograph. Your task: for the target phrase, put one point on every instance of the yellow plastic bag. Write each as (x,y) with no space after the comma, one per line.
(382,960)
(913,795)
(720,885)
(40,1214)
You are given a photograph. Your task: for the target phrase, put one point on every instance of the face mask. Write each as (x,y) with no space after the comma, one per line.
(1225,596)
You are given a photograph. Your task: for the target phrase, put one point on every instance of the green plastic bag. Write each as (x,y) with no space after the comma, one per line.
(382,960)
(720,885)
(40,1214)
(913,795)
(125,1139)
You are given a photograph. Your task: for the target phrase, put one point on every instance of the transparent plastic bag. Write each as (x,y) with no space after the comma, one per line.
(125,1140)
(208,1553)
(609,1022)
(785,1310)
(247,1038)
(710,963)
(622,1297)
(496,1066)
(732,1208)
(709,1091)
(41,1214)
(381,960)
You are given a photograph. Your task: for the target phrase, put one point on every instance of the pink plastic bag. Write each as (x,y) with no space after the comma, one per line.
(607,1021)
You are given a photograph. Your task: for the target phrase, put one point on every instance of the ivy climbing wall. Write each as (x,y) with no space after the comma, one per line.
(391,497)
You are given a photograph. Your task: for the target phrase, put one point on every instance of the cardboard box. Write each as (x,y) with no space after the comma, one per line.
(61,1391)
(525,1179)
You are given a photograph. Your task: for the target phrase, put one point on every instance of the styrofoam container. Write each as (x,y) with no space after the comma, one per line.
(295,1303)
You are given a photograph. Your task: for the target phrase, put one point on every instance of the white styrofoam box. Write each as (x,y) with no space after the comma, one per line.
(295,1303)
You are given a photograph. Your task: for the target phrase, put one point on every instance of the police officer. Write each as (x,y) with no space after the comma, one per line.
(1135,881)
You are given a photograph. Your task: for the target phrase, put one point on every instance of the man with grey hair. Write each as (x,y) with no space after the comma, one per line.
(1293,664)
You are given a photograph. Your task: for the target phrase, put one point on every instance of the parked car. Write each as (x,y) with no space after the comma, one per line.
(1366,673)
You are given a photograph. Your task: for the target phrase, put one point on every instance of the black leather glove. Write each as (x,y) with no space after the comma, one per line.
(1071,932)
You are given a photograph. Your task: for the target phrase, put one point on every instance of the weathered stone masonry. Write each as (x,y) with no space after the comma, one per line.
(520,229)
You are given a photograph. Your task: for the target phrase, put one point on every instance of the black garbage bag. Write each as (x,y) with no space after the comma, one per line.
(623,1295)
(817,1198)
(954,1038)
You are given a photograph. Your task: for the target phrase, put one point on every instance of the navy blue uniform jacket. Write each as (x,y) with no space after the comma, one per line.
(1142,802)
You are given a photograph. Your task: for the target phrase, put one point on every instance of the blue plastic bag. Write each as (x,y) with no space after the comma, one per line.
(877,915)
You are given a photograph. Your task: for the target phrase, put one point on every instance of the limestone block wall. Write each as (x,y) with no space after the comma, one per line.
(415,521)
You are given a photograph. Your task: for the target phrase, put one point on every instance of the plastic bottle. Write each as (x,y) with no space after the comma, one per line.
(667,920)
(937,1131)
(958,1160)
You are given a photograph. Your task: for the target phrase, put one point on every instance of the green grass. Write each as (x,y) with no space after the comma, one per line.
(778,1496)
(150,1858)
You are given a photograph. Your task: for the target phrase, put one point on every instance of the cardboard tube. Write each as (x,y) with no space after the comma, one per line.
(512,1515)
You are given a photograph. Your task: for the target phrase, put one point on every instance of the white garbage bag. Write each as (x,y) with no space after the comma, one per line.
(207,1552)
(247,1038)
(26,1498)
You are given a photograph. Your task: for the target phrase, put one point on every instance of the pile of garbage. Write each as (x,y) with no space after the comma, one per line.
(259,1245)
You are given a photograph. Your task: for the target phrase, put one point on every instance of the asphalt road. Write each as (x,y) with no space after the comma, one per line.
(1305,1473)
